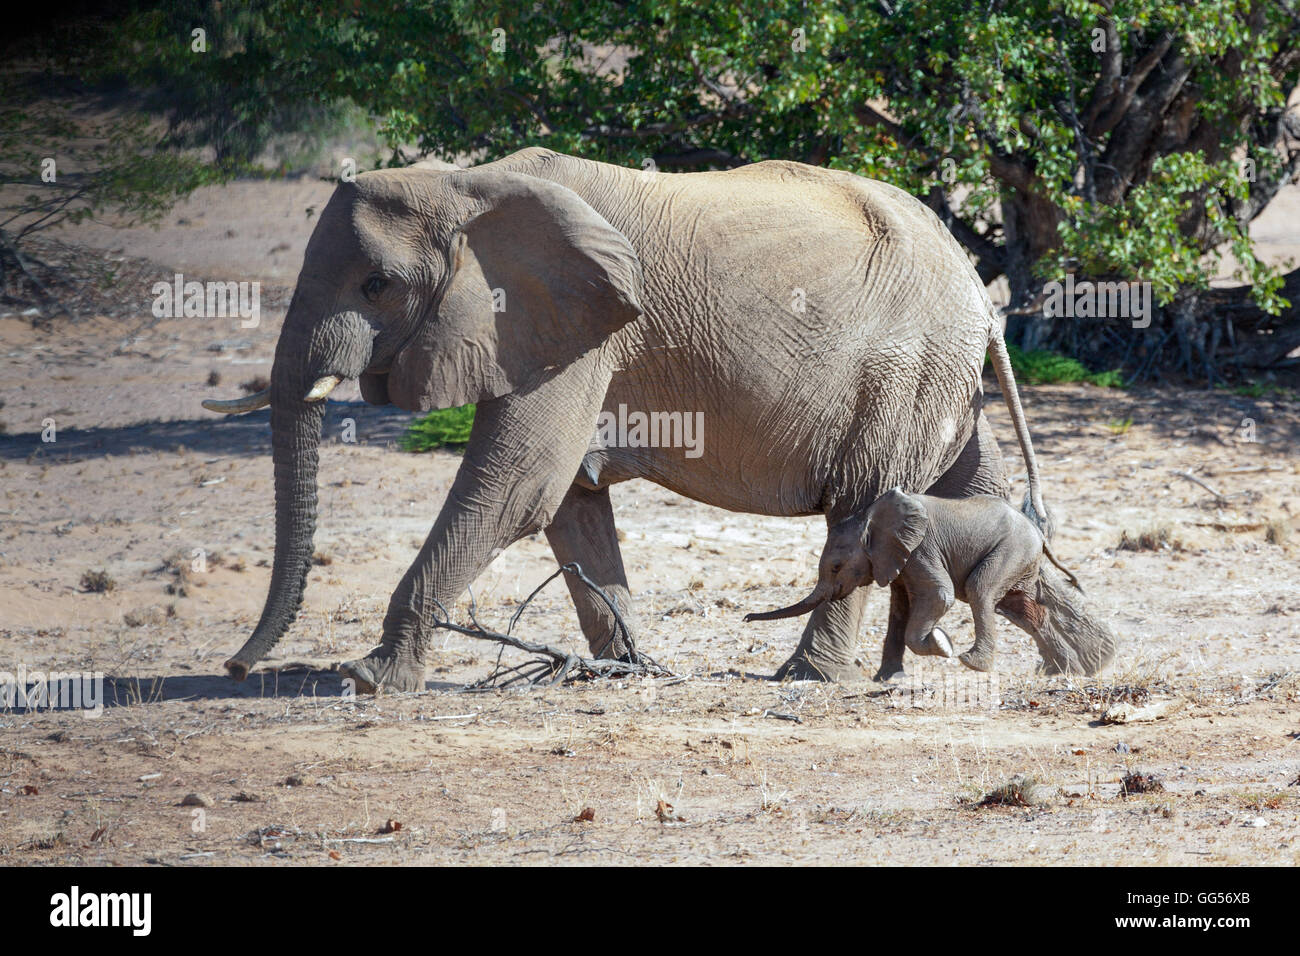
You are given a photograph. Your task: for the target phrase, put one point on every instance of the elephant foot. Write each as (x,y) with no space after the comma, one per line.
(934,644)
(889,673)
(375,673)
(802,667)
(977,661)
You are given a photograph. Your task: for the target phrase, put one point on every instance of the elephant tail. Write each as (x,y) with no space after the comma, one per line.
(1033,506)
(1047,550)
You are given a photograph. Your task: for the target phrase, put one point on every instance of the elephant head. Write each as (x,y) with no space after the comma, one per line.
(860,549)
(435,289)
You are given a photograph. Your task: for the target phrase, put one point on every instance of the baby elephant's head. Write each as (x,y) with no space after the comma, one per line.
(862,548)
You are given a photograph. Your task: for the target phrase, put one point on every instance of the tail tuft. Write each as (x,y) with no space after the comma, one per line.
(1045,523)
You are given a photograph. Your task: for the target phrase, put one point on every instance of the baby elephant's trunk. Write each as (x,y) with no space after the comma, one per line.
(819,594)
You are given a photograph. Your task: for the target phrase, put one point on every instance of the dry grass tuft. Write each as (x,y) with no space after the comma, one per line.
(97,582)
(1278,531)
(1135,781)
(1159,537)
(1022,790)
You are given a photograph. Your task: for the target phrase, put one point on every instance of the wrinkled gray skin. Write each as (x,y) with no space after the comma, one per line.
(933,551)
(830,329)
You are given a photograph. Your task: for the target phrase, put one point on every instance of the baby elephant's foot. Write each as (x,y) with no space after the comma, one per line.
(934,644)
(977,659)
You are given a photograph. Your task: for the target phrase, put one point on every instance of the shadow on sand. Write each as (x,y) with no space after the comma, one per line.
(292,682)
(248,434)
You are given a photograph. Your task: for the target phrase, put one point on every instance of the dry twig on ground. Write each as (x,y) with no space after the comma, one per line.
(554,665)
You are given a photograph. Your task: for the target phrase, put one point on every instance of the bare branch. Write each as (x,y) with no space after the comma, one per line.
(555,665)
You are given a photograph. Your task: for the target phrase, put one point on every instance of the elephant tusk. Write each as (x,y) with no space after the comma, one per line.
(322,388)
(233,406)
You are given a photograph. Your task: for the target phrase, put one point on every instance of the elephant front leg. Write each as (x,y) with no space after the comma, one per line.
(891,655)
(827,649)
(510,484)
(583,533)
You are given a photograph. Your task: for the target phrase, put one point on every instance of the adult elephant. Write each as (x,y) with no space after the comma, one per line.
(829,328)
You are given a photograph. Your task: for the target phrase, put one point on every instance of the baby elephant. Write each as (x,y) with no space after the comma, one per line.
(976,549)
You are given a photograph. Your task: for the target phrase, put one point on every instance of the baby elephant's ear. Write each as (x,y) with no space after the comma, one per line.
(896,524)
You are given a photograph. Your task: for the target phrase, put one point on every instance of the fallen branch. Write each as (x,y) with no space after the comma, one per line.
(554,665)
(1188,476)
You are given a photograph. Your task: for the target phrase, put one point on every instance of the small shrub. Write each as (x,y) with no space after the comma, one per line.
(1263,801)
(97,582)
(1138,782)
(1154,538)
(257,384)
(441,428)
(1022,790)
(1047,368)
(151,615)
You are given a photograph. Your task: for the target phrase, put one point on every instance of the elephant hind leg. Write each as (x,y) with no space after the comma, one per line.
(984,651)
(1023,611)
(583,532)
(986,586)
(1071,638)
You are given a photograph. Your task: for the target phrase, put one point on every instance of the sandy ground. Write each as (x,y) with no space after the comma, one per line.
(719,766)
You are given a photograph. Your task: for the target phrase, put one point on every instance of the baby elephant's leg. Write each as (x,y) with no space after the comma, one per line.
(929,600)
(980,656)
(998,573)
(938,643)
(891,654)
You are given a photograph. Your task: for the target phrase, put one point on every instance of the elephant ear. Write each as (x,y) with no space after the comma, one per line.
(896,524)
(536,278)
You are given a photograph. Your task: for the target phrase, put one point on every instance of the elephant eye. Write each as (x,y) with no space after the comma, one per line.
(373,286)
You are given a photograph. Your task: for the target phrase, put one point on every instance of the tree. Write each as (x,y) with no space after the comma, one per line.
(56,168)
(1129,139)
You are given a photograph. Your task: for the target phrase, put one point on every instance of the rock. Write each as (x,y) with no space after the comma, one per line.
(152,614)
(196,800)
(1134,714)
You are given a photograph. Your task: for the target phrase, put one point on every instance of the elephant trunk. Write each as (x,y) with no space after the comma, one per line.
(307,365)
(818,596)
(295,437)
